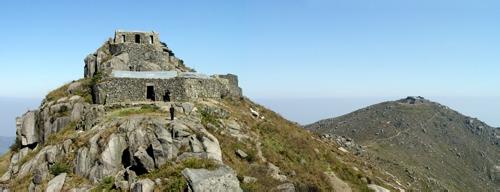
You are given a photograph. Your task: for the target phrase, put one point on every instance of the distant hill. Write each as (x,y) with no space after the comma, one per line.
(427,145)
(5,143)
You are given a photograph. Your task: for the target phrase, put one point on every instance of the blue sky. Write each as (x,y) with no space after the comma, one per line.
(279,48)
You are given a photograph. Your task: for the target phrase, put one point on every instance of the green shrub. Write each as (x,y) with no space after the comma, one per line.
(150,107)
(207,117)
(59,168)
(176,184)
(107,184)
(197,163)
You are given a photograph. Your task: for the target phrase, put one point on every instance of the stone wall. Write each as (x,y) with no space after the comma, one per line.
(130,37)
(113,90)
(231,83)
(119,54)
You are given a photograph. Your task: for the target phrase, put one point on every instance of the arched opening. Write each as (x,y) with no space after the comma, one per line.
(151,39)
(123,39)
(137,39)
(166,97)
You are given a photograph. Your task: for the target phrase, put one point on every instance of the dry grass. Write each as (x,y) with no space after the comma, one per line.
(4,162)
(59,137)
(172,172)
(20,183)
(143,110)
(297,152)
(85,91)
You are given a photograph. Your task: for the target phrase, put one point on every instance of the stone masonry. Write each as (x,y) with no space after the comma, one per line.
(143,52)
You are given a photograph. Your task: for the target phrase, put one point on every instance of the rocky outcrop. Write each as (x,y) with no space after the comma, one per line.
(56,184)
(377,188)
(221,179)
(27,128)
(143,185)
(336,183)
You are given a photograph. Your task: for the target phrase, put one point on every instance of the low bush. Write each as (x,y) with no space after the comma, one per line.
(59,168)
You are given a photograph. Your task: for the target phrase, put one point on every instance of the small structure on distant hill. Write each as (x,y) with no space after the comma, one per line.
(137,66)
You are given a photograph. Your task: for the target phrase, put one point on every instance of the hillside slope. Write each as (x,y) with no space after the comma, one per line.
(212,145)
(427,145)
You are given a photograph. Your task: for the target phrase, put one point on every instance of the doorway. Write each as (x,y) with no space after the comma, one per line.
(166,97)
(150,93)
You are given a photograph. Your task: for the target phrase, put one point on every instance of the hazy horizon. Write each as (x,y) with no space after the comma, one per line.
(309,48)
(300,110)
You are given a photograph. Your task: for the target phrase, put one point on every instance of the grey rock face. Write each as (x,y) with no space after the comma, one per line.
(212,147)
(247,179)
(286,187)
(377,188)
(336,183)
(143,185)
(56,184)
(83,162)
(274,172)
(144,159)
(241,153)
(112,155)
(221,179)
(27,129)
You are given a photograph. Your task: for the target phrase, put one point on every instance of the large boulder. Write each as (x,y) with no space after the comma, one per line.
(142,158)
(56,184)
(336,183)
(27,129)
(112,155)
(203,180)
(143,185)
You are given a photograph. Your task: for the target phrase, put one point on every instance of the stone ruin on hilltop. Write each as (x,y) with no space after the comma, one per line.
(137,66)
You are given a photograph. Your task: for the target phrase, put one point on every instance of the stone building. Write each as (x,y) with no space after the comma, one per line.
(137,66)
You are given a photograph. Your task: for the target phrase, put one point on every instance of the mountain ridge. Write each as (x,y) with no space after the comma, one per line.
(424,143)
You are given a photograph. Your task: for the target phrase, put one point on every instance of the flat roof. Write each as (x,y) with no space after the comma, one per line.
(145,74)
(157,74)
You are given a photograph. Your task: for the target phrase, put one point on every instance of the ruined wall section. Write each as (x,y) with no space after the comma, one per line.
(125,54)
(230,81)
(114,90)
(144,37)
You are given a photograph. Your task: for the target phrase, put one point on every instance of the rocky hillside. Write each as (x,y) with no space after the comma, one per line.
(70,144)
(427,145)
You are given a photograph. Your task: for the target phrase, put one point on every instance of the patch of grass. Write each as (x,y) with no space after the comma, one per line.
(20,183)
(145,109)
(59,168)
(4,162)
(62,135)
(74,181)
(172,172)
(107,184)
(176,184)
(196,163)
(207,117)
(29,156)
(58,93)
(85,90)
